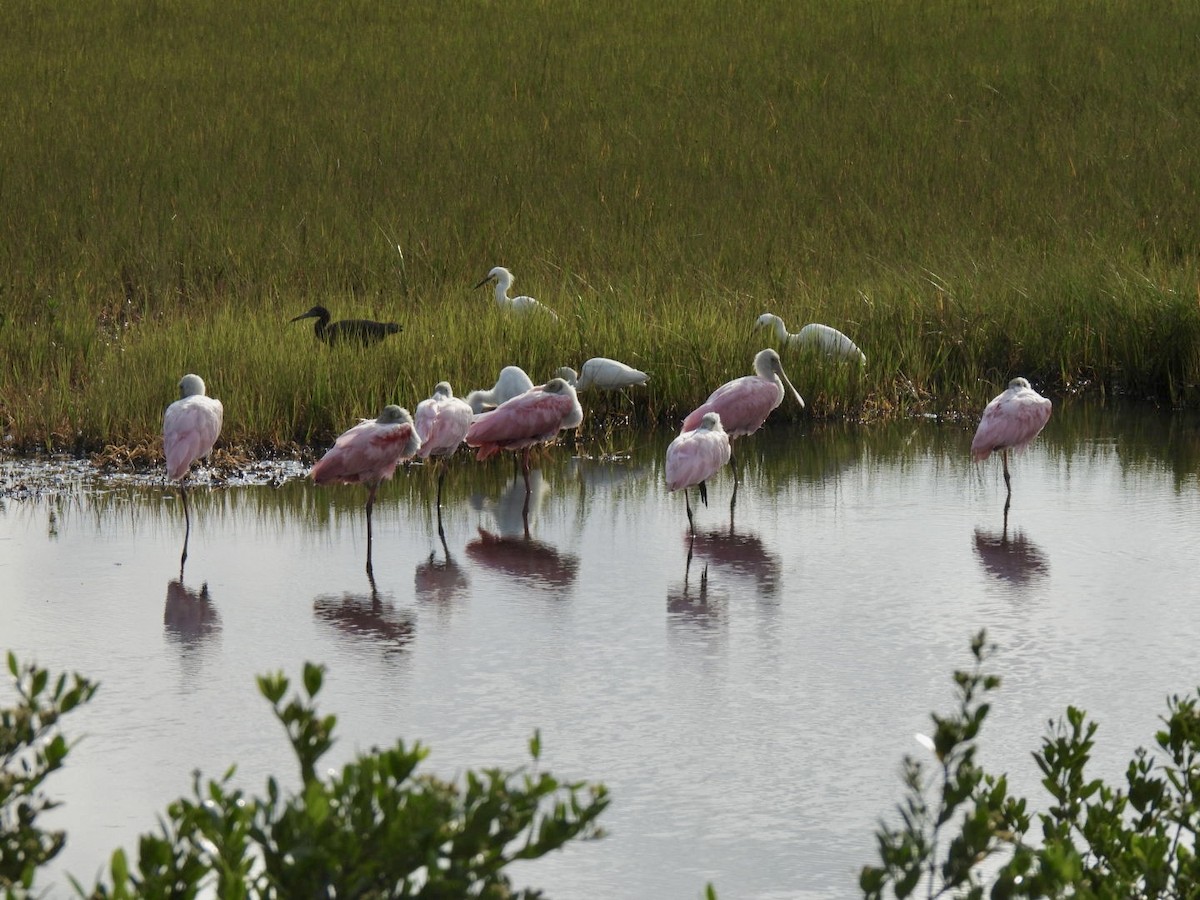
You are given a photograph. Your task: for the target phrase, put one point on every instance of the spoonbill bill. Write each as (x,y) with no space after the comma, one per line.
(745,402)
(1010,422)
(696,456)
(604,373)
(504,280)
(534,417)
(191,425)
(367,454)
(829,341)
(511,382)
(442,422)
(364,331)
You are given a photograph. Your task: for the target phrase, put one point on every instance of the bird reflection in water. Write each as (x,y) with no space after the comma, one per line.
(511,548)
(513,510)
(742,554)
(1011,558)
(693,604)
(189,616)
(536,562)
(367,617)
(441,581)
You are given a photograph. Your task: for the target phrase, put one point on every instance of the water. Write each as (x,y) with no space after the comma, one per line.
(748,711)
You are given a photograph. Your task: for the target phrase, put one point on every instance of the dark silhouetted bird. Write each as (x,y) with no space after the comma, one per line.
(365,331)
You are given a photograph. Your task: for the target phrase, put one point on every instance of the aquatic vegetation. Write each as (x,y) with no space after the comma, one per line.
(915,176)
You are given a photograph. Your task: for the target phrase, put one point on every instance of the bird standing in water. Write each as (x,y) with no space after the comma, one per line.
(534,417)
(1010,422)
(744,403)
(442,422)
(363,331)
(696,456)
(191,425)
(367,454)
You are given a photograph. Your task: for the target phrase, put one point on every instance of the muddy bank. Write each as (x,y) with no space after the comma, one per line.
(23,478)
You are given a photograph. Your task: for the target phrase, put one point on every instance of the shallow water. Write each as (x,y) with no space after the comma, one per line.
(748,711)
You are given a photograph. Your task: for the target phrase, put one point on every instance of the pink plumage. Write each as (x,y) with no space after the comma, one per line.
(370,451)
(697,455)
(744,403)
(533,417)
(1011,421)
(191,425)
(442,422)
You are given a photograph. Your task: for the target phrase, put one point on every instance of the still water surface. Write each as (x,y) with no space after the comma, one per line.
(748,711)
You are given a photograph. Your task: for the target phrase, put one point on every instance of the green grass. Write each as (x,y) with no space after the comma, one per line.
(971,190)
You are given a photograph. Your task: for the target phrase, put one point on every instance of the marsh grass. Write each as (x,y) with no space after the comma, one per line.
(970,190)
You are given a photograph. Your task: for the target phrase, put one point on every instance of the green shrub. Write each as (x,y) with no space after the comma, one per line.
(31,747)
(377,829)
(963,835)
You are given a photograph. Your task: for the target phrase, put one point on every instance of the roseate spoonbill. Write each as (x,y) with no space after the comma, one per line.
(828,340)
(367,454)
(534,417)
(1010,422)
(695,456)
(442,422)
(512,382)
(365,331)
(504,280)
(604,373)
(191,426)
(745,402)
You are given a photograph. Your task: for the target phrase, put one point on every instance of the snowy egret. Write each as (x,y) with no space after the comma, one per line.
(694,457)
(1010,422)
(367,454)
(745,402)
(191,425)
(829,341)
(365,331)
(504,280)
(442,422)
(512,382)
(534,417)
(604,373)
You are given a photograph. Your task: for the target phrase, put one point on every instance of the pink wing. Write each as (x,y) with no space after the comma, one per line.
(695,456)
(191,426)
(527,418)
(1010,422)
(743,405)
(442,424)
(367,452)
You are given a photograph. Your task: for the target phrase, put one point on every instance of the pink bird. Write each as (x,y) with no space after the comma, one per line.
(1010,422)
(191,426)
(745,403)
(534,417)
(442,422)
(695,456)
(367,454)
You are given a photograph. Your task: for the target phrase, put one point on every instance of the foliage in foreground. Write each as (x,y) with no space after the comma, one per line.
(964,835)
(376,829)
(31,748)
